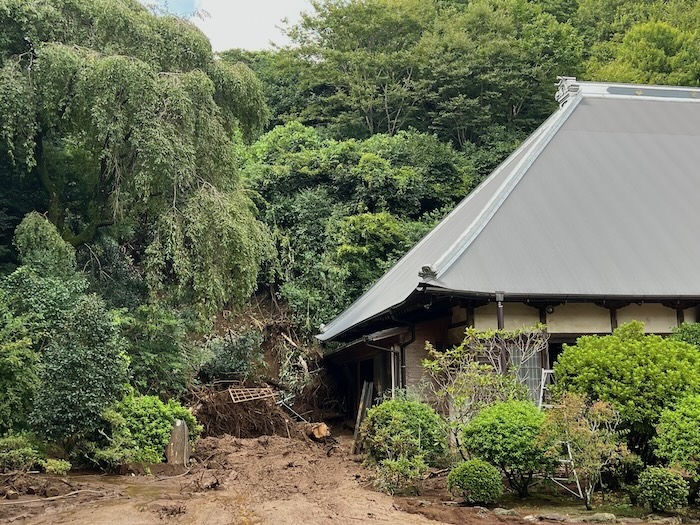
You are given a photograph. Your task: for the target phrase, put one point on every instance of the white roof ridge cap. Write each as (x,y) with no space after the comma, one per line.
(539,142)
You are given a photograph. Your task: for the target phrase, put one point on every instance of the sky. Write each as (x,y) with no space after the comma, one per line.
(247,24)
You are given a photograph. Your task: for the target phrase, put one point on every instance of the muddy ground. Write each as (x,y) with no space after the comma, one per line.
(266,480)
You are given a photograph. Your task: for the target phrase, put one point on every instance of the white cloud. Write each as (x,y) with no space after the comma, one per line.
(247,24)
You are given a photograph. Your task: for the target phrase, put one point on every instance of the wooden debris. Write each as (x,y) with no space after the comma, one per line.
(317,431)
(365,403)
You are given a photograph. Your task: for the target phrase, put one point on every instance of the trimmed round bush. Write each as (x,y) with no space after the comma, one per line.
(402,476)
(403,428)
(476,481)
(662,490)
(508,435)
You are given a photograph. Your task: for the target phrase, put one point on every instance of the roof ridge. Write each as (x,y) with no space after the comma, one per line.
(540,140)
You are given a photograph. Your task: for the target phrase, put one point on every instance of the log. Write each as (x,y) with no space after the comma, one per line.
(12,494)
(317,431)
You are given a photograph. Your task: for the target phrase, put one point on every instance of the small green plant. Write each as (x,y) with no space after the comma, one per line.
(663,490)
(60,467)
(508,435)
(18,452)
(401,476)
(403,428)
(476,481)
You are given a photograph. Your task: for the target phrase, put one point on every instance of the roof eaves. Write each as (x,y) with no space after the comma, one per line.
(538,142)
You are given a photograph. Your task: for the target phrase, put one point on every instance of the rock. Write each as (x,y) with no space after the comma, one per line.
(51,492)
(552,517)
(631,521)
(529,518)
(665,520)
(504,512)
(600,517)
(12,494)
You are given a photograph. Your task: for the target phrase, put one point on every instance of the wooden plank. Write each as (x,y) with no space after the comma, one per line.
(365,402)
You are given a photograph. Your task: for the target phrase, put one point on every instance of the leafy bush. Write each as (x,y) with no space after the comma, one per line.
(85,370)
(403,475)
(60,467)
(18,452)
(19,367)
(402,428)
(639,374)
(507,434)
(662,490)
(688,333)
(678,435)
(159,352)
(141,427)
(235,357)
(42,249)
(476,481)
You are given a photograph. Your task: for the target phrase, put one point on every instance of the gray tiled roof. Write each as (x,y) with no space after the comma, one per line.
(603,200)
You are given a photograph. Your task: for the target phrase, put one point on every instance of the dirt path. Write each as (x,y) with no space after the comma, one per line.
(268,480)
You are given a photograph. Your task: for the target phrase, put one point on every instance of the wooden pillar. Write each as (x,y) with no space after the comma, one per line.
(680,315)
(500,316)
(613,318)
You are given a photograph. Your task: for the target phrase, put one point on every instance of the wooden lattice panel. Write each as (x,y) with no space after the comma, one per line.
(241,395)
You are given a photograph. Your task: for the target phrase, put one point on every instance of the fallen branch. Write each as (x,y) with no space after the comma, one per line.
(19,502)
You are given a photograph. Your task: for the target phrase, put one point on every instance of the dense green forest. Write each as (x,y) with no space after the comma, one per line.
(148,184)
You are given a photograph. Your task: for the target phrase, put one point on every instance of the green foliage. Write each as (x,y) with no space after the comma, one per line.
(402,428)
(469,377)
(590,431)
(639,374)
(476,481)
(41,248)
(235,357)
(507,435)
(59,467)
(19,370)
(19,452)
(678,435)
(85,369)
(687,332)
(124,119)
(140,430)
(401,476)
(159,353)
(662,490)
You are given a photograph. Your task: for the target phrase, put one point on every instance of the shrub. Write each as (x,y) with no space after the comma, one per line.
(42,249)
(662,490)
(60,467)
(84,373)
(141,427)
(403,428)
(687,332)
(403,476)
(235,357)
(639,374)
(18,452)
(19,369)
(507,434)
(678,435)
(476,481)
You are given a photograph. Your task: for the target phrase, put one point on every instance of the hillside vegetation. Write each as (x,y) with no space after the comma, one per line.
(149,187)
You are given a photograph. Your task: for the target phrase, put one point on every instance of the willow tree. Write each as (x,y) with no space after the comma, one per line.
(126,118)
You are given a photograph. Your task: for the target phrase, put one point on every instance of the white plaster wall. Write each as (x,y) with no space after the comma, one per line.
(581,318)
(656,318)
(515,315)
(690,315)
